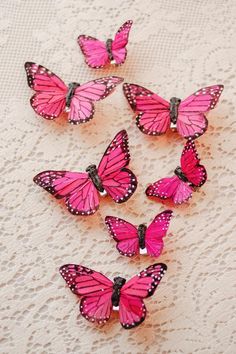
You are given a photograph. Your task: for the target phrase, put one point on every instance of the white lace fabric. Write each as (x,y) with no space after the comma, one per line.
(175,48)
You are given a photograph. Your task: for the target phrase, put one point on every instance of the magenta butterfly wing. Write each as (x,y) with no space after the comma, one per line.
(191,121)
(125,234)
(77,189)
(119,182)
(155,233)
(94,288)
(170,188)
(195,173)
(132,310)
(49,101)
(118,47)
(82,107)
(153,112)
(95,51)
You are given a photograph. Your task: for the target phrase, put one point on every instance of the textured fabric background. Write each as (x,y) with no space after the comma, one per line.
(176,47)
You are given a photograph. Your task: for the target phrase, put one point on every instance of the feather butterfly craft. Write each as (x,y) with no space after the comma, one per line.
(80,190)
(132,240)
(156,115)
(53,97)
(99,54)
(99,295)
(189,176)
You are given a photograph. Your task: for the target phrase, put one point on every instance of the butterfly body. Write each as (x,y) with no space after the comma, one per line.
(132,240)
(71,91)
(174,105)
(93,174)
(99,54)
(115,298)
(141,236)
(81,190)
(189,176)
(155,115)
(179,173)
(100,296)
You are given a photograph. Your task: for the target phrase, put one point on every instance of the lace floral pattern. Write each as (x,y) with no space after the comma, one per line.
(175,48)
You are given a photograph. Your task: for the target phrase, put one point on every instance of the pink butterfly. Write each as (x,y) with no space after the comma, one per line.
(187,178)
(132,240)
(52,96)
(156,115)
(98,54)
(80,189)
(99,295)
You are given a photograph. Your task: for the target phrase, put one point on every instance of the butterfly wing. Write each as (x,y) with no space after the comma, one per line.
(82,107)
(125,234)
(95,51)
(119,182)
(190,165)
(155,233)
(94,288)
(191,121)
(153,111)
(170,188)
(78,191)
(132,310)
(49,101)
(118,47)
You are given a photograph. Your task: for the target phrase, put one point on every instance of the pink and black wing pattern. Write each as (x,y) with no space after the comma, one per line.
(132,310)
(82,103)
(191,121)
(170,188)
(118,181)
(153,112)
(118,47)
(155,233)
(94,50)
(190,165)
(94,289)
(77,189)
(49,100)
(125,234)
